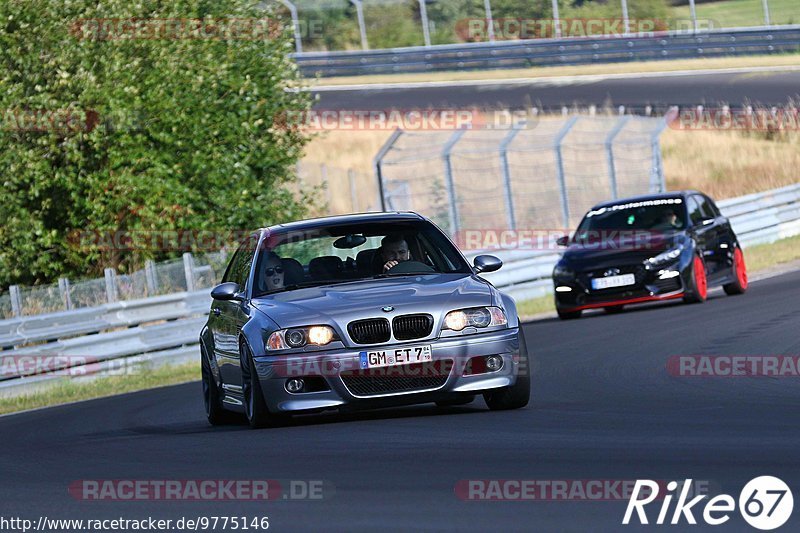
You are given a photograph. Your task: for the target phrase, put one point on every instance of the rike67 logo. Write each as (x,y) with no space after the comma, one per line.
(765,503)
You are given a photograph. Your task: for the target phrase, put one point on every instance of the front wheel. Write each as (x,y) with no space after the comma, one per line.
(740,282)
(698,284)
(255,408)
(519,394)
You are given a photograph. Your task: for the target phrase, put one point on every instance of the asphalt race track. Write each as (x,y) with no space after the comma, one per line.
(711,89)
(604,408)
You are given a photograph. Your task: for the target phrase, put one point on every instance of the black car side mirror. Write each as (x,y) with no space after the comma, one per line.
(226,291)
(487,263)
(563,240)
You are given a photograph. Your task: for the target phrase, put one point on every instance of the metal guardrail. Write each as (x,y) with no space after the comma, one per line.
(549,52)
(165,328)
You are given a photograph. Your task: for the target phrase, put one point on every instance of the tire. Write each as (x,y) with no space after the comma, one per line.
(455,401)
(698,284)
(517,395)
(739,269)
(568,315)
(255,408)
(614,309)
(212,399)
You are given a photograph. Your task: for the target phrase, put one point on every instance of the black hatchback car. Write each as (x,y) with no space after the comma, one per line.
(648,248)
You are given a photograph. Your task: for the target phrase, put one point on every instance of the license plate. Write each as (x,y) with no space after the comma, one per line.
(396,356)
(613,281)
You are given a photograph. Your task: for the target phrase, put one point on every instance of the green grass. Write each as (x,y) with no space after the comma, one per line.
(758,258)
(72,390)
(738,13)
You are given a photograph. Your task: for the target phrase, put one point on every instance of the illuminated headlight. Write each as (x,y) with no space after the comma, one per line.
(298,337)
(561,271)
(665,257)
(476,317)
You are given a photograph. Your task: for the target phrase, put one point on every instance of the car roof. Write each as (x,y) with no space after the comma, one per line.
(646,197)
(313,223)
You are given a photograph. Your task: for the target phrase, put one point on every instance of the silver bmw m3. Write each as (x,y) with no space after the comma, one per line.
(357,312)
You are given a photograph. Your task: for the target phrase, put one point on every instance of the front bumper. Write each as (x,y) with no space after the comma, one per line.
(650,286)
(451,354)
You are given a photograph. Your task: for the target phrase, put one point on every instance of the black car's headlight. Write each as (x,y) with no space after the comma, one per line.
(475,317)
(560,271)
(299,337)
(665,257)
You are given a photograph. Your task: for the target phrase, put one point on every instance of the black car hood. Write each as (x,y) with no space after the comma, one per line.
(342,303)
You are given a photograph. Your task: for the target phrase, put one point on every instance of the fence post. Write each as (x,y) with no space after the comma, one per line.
(351,176)
(694,15)
(423,14)
(150,278)
(111,285)
(625,18)
(378,164)
(612,167)
(657,182)
(16,301)
(455,223)
(766,12)
(487,6)
(512,219)
(323,171)
(63,288)
(560,167)
(361,26)
(188,270)
(298,41)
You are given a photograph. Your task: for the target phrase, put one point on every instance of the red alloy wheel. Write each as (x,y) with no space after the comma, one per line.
(700,280)
(741,269)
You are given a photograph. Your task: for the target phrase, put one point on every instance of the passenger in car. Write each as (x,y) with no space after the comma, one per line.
(273,272)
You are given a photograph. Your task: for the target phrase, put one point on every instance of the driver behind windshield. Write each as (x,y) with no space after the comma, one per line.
(394,250)
(669,220)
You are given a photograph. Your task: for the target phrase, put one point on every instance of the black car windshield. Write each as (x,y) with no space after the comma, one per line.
(657,215)
(345,253)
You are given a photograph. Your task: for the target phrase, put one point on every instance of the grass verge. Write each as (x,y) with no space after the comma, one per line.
(73,390)
(576,70)
(758,258)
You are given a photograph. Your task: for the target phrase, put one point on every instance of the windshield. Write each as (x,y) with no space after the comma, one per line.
(348,253)
(658,216)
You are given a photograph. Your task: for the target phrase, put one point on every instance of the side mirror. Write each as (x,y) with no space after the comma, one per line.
(563,240)
(226,291)
(487,263)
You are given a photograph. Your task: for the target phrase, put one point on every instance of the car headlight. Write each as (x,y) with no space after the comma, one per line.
(476,317)
(560,271)
(298,337)
(665,257)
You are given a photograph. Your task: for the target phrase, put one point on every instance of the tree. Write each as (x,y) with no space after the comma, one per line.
(161,119)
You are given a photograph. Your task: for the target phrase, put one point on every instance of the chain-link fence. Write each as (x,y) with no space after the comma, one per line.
(191,272)
(542,175)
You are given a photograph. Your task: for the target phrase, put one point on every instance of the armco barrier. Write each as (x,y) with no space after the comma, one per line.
(166,328)
(549,52)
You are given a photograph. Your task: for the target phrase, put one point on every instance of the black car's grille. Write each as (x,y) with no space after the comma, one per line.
(668,285)
(370,331)
(407,327)
(396,379)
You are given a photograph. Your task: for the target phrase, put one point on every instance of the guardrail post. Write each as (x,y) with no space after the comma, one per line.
(455,223)
(556,20)
(560,168)
(63,288)
(150,278)
(361,26)
(188,270)
(612,167)
(766,12)
(423,15)
(298,41)
(512,219)
(16,301)
(378,164)
(111,285)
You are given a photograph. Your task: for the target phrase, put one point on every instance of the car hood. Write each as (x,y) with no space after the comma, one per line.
(627,249)
(339,304)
